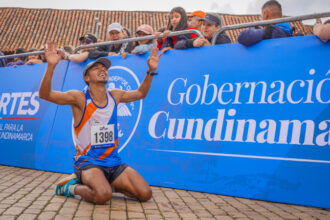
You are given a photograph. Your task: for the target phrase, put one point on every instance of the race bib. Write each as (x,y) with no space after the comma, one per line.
(103,135)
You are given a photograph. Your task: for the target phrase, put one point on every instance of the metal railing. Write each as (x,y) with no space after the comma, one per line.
(176,33)
(22,54)
(106,43)
(149,37)
(268,22)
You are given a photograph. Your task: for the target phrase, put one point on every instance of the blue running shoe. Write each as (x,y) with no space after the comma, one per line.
(62,187)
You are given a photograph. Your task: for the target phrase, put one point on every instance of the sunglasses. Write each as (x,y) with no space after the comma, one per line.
(86,41)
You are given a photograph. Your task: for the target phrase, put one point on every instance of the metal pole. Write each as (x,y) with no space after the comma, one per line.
(22,54)
(97,26)
(268,22)
(149,37)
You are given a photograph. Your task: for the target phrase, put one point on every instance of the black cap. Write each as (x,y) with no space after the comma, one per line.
(88,36)
(104,61)
(213,18)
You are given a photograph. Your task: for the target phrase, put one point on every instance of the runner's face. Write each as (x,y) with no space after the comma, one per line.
(97,74)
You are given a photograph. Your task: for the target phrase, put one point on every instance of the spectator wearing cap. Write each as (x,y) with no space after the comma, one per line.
(18,61)
(270,10)
(3,62)
(195,21)
(211,24)
(115,31)
(144,46)
(82,55)
(322,31)
(33,59)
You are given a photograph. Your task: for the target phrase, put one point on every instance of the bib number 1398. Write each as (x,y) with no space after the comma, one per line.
(102,134)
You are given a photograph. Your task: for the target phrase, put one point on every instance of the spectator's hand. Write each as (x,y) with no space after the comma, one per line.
(199,42)
(33,61)
(166,49)
(166,33)
(153,60)
(112,53)
(206,43)
(318,21)
(157,34)
(124,55)
(51,54)
(65,55)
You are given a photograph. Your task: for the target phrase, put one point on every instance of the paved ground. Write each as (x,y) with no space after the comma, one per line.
(29,194)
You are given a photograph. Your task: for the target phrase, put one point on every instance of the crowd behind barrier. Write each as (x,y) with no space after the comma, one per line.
(188,93)
(183,31)
(248,122)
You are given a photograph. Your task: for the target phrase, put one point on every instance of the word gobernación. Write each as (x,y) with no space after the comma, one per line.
(225,124)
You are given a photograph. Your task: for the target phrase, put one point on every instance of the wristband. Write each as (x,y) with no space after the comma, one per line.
(152,73)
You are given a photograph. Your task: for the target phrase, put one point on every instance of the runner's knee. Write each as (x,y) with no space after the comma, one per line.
(102,196)
(145,194)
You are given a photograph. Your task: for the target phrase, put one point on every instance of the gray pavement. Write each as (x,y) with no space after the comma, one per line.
(30,194)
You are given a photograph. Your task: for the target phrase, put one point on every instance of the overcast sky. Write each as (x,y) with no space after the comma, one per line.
(290,7)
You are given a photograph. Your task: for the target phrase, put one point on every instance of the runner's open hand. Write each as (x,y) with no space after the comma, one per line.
(153,60)
(51,54)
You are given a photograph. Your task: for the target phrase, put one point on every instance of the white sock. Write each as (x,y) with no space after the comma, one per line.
(71,189)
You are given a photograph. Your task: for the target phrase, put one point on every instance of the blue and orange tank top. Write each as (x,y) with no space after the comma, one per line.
(96,135)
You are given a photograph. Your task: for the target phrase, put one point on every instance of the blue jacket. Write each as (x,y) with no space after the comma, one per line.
(143,48)
(252,36)
(221,39)
(171,41)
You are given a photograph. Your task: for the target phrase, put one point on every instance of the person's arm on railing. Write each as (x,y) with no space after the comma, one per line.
(184,44)
(322,31)
(223,39)
(77,58)
(249,37)
(143,48)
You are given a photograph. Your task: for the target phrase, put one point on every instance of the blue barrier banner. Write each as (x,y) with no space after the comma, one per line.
(252,122)
(25,120)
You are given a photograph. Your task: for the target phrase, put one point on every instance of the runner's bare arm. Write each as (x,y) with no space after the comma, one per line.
(45,91)
(142,91)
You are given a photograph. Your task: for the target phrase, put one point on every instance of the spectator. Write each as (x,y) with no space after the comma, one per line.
(18,60)
(68,49)
(42,56)
(83,55)
(115,31)
(161,30)
(144,46)
(270,10)
(126,32)
(211,24)
(33,59)
(195,20)
(3,62)
(322,31)
(177,22)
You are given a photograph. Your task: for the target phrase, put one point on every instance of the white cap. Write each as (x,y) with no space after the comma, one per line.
(115,26)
